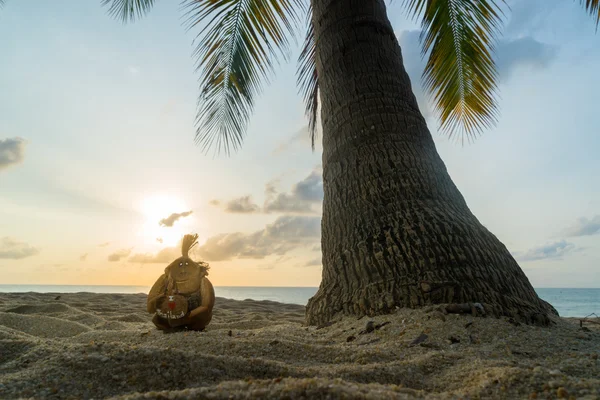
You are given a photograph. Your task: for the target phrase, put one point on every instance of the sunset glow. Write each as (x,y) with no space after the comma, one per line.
(97,147)
(156,208)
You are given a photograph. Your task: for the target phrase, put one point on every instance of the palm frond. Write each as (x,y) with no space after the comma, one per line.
(128,10)
(308,81)
(236,52)
(593,8)
(460,72)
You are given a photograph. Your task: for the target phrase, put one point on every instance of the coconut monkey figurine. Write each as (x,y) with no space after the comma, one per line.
(182,297)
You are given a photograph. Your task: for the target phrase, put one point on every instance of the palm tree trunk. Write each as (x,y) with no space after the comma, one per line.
(396,232)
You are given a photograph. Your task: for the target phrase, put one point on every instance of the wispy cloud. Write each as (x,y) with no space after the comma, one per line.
(302,199)
(83,257)
(133,70)
(585,227)
(276,263)
(551,251)
(164,256)
(119,255)
(316,262)
(55,267)
(523,52)
(242,205)
(529,16)
(171,219)
(15,250)
(303,196)
(286,233)
(300,139)
(12,152)
(104,244)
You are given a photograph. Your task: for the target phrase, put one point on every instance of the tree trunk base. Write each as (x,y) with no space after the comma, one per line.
(396,231)
(385,297)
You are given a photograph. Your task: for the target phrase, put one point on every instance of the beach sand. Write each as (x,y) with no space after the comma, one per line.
(88,345)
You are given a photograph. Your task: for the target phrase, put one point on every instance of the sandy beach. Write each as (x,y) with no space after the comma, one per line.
(88,345)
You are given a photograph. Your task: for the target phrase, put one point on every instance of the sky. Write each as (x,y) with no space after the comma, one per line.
(100,177)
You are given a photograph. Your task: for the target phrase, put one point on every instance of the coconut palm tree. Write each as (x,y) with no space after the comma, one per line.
(396,231)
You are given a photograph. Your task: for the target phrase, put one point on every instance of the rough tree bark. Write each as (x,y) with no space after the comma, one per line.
(396,231)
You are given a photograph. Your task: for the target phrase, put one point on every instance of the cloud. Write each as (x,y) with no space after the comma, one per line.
(46,267)
(104,244)
(290,227)
(83,257)
(240,245)
(159,240)
(12,152)
(529,16)
(551,251)
(266,266)
(133,70)
(523,52)
(119,254)
(283,235)
(511,55)
(277,262)
(311,187)
(317,262)
(585,227)
(171,219)
(304,195)
(300,139)
(15,250)
(242,205)
(164,256)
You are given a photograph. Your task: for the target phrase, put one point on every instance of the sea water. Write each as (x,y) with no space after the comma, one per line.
(568,302)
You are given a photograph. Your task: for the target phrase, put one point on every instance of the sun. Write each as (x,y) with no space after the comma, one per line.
(158,207)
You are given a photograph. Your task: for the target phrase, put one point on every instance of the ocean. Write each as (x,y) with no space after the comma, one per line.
(569,302)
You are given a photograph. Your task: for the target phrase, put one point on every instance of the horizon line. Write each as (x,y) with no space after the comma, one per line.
(236,286)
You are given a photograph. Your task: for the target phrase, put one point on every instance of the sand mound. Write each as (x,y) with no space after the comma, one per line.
(9,333)
(260,349)
(41,325)
(85,318)
(287,388)
(13,349)
(40,309)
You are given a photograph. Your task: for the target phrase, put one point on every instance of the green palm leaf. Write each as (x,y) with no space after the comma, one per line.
(236,51)
(308,81)
(460,73)
(128,10)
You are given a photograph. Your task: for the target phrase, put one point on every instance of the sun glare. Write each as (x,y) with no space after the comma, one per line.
(158,207)
(161,206)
